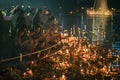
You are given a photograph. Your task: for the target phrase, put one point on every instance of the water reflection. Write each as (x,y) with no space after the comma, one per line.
(99,28)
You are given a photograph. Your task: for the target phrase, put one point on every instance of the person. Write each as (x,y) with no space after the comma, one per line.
(37,19)
(20,21)
(46,18)
(1,33)
(25,40)
(38,38)
(2,25)
(29,18)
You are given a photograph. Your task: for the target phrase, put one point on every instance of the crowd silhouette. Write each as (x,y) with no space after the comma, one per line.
(26,30)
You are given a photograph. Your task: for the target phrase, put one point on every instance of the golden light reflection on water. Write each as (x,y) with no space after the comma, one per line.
(99,28)
(100,15)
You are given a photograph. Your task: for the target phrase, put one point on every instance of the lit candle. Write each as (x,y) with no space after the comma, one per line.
(71,31)
(63,77)
(78,31)
(32,62)
(67,51)
(24,74)
(54,76)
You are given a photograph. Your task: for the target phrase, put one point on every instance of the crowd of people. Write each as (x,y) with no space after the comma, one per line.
(27,30)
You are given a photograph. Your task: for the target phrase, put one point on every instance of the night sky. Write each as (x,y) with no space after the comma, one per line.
(114,4)
(54,5)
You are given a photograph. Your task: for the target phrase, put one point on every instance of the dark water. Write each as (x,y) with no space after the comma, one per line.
(105,28)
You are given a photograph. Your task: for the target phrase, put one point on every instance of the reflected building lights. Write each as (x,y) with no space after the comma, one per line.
(100,16)
(100,8)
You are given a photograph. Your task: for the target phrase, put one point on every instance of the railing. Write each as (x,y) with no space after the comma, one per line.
(28,54)
(20,57)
